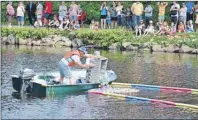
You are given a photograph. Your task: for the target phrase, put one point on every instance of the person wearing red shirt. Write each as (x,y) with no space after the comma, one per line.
(48,11)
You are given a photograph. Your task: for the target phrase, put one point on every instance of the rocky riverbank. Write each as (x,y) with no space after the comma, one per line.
(51,40)
(117,39)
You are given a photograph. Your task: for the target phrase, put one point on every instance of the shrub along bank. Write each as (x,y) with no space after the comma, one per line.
(112,39)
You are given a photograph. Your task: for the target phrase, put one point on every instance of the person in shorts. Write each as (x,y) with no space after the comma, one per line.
(20,14)
(47,12)
(103,15)
(72,59)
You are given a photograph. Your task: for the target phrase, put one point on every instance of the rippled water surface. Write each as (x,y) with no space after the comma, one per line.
(167,69)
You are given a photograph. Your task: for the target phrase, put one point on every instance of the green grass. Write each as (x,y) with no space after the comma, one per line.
(104,38)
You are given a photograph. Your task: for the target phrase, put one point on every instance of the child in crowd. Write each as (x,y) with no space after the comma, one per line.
(65,24)
(164,29)
(139,29)
(150,28)
(190,26)
(173,28)
(108,19)
(76,25)
(37,24)
(92,24)
(54,23)
(96,26)
(181,27)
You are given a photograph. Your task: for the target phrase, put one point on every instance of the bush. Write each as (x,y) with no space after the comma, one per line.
(28,32)
(104,38)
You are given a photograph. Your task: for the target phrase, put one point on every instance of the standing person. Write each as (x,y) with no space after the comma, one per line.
(47,12)
(103,15)
(190,5)
(174,12)
(196,16)
(108,19)
(148,13)
(31,9)
(10,13)
(113,15)
(119,9)
(161,8)
(39,11)
(71,59)
(129,18)
(182,14)
(62,11)
(20,14)
(73,12)
(137,9)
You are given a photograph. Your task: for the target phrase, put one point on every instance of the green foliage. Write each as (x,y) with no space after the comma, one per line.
(104,38)
(27,32)
(91,7)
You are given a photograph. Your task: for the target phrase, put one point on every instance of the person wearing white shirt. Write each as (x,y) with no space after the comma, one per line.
(20,14)
(62,11)
(39,10)
(119,12)
(182,14)
(174,12)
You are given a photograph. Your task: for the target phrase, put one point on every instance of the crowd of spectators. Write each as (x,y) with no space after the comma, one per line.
(182,18)
(135,17)
(39,15)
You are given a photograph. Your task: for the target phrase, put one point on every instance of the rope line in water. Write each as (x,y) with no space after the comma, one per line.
(145,99)
(156,88)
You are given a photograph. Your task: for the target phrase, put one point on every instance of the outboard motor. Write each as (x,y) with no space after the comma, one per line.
(21,82)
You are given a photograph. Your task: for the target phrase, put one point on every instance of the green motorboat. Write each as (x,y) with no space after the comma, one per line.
(41,85)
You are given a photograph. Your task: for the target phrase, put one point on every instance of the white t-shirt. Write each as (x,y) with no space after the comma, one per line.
(119,10)
(20,11)
(177,6)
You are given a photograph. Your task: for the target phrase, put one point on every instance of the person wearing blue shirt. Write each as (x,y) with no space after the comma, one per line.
(190,5)
(148,13)
(103,15)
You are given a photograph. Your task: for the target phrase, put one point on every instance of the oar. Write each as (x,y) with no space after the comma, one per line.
(154,87)
(94,91)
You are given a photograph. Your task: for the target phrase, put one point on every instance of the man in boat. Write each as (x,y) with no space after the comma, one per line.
(71,59)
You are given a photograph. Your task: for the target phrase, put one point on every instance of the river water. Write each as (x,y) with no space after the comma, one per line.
(165,69)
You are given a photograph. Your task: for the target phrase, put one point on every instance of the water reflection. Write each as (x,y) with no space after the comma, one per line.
(166,69)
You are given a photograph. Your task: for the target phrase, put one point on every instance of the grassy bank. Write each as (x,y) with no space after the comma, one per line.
(104,38)
(30,32)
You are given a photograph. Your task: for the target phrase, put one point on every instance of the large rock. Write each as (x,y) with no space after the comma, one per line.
(157,48)
(46,39)
(125,44)
(194,51)
(57,38)
(11,39)
(171,48)
(113,46)
(22,41)
(185,49)
(76,42)
(34,43)
(144,45)
(3,40)
(130,47)
(68,43)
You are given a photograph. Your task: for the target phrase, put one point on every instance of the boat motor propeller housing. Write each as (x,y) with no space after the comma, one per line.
(21,82)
